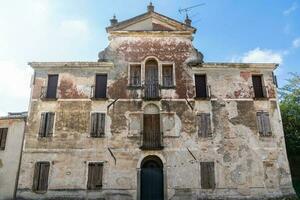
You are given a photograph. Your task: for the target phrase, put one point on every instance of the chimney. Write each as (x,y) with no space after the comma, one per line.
(150,7)
(113,21)
(188,21)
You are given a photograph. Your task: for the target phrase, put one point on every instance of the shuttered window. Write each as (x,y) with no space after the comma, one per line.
(167,73)
(207,175)
(135,75)
(101,84)
(3,136)
(201,87)
(263,124)
(40,177)
(204,125)
(95,173)
(97,124)
(259,91)
(46,124)
(52,86)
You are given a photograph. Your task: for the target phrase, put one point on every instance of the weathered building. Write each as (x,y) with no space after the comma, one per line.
(11,139)
(151,120)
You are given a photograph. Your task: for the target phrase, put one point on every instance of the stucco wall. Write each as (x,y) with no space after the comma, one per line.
(9,158)
(246,165)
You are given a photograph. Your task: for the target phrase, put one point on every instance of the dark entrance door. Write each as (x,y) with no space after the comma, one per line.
(151,80)
(152,179)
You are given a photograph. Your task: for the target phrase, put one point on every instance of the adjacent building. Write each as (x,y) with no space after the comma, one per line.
(151,120)
(12,129)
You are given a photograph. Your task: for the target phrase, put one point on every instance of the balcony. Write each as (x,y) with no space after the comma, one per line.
(260,93)
(204,94)
(46,94)
(152,141)
(151,91)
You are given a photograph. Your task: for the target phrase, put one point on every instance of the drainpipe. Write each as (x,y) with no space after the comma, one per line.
(20,159)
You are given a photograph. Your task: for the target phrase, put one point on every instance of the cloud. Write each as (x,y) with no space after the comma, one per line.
(262,56)
(74,28)
(291,9)
(296,43)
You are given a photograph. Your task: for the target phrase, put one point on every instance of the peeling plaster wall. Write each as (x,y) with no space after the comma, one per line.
(246,165)
(10,157)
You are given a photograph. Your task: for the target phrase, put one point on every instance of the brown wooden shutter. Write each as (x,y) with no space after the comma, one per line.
(259,123)
(101,124)
(49,124)
(3,136)
(266,124)
(40,176)
(42,130)
(44,174)
(36,177)
(93,124)
(95,173)
(207,175)
(204,125)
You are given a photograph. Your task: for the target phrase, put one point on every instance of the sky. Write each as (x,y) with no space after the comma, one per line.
(69,30)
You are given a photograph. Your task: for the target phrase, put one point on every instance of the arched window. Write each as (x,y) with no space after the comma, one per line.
(151,79)
(151,137)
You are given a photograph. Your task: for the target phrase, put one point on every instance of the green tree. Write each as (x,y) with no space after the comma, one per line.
(290,112)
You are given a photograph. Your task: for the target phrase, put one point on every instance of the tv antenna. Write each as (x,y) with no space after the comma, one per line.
(186,10)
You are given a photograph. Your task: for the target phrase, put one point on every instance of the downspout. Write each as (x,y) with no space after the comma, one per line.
(20,159)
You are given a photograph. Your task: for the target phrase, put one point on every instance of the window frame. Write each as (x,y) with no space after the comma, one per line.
(36,190)
(172,75)
(209,133)
(214,175)
(263,115)
(45,95)
(87,174)
(94,87)
(104,128)
(2,148)
(45,124)
(129,75)
(207,87)
(263,87)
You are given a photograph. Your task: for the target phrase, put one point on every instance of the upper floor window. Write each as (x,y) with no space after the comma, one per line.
(100,86)
(258,87)
(95,173)
(97,124)
(151,79)
(204,125)
(3,135)
(40,176)
(201,86)
(167,75)
(52,86)
(135,75)
(46,124)
(263,124)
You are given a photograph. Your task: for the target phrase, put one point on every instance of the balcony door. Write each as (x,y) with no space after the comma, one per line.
(151,80)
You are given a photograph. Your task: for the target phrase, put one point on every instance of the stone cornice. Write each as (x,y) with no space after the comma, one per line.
(71,65)
(270,66)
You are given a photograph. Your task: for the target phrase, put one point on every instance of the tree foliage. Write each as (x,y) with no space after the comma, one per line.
(290,112)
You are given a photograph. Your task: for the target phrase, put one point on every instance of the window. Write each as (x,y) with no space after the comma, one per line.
(259,90)
(201,87)
(135,75)
(3,135)
(40,177)
(46,124)
(101,84)
(167,73)
(95,173)
(97,124)
(52,86)
(207,175)
(204,125)
(263,124)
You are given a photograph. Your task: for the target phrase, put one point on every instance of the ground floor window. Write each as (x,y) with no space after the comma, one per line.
(95,173)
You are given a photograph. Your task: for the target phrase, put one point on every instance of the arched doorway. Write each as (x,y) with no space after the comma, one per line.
(152,179)
(151,79)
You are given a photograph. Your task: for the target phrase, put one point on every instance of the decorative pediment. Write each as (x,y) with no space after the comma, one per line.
(150,21)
